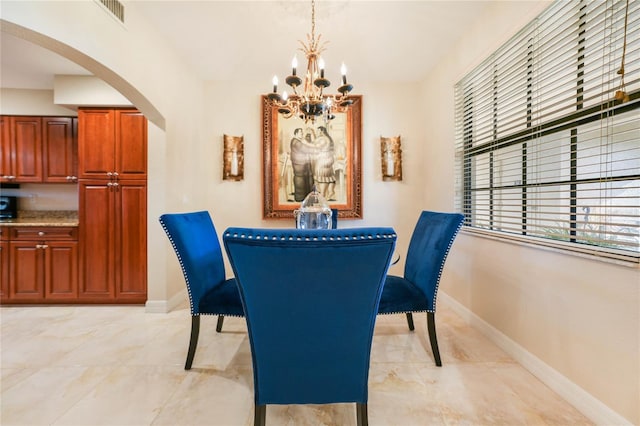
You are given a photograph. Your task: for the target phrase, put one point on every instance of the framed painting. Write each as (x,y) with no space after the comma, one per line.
(298,156)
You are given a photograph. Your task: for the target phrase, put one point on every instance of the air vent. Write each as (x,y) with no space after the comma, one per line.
(115,7)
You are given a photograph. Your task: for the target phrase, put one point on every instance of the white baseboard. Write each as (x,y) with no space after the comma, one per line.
(583,401)
(164,306)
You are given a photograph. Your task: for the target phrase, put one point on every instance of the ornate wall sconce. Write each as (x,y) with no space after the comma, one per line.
(391,155)
(233,167)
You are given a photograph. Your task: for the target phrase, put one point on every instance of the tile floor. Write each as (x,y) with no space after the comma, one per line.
(106,365)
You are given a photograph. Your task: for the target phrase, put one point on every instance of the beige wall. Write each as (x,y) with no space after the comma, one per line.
(579,316)
(31,102)
(557,307)
(388,109)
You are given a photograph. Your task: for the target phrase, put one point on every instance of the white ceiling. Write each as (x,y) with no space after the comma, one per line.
(236,40)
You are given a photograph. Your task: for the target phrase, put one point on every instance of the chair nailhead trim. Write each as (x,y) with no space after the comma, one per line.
(406,312)
(184,272)
(435,294)
(285,237)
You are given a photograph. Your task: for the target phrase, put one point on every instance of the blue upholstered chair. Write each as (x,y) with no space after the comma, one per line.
(311,299)
(416,291)
(196,244)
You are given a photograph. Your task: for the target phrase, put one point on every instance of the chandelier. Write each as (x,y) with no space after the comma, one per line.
(308,100)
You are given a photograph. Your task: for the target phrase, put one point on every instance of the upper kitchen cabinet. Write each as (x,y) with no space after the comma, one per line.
(60,152)
(5,147)
(112,144)
(21,149)
(38,149)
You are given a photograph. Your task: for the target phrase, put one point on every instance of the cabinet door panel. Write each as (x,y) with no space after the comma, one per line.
(96,143)
(27,137)
(131,241)
(131,144)
(96,240)
(4,270)
(61,266)
(59,149)
(5,147)
(26,271)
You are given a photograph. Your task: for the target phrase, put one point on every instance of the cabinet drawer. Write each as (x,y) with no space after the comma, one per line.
(36,233)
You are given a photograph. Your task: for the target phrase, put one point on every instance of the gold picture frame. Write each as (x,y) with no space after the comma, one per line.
(298,155)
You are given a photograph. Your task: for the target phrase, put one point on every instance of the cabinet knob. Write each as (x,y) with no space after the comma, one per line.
(109,174)
(109,184)
(41,234)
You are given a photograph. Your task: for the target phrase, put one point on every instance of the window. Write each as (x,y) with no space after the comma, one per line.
(544,152)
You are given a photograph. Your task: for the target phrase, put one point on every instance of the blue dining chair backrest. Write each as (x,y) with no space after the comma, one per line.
(195,241)
(428,249)
(417,290)
(310,299)
(196,244)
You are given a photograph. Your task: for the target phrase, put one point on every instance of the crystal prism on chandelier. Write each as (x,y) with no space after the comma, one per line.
(308,101)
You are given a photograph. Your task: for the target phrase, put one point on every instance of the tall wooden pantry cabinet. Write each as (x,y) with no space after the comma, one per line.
(112,173)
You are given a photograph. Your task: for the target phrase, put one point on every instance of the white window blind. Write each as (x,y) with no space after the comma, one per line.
(543,149)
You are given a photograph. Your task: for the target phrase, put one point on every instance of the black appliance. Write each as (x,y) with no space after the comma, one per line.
(8,200)
(8,207)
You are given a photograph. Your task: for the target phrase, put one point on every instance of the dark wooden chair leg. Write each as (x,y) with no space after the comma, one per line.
(410,321)
(193,342)
(431,326)
(260,415)
(219,324)
(361,414)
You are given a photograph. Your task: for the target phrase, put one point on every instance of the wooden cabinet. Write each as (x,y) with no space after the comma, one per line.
(38,149)
(6,150)
(114,241)
(112,166)
(60,149)
(4,263)
(112,144)
(22,150)
(43,264)
(104,259)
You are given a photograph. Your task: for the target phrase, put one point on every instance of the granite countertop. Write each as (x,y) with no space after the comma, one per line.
(43,218)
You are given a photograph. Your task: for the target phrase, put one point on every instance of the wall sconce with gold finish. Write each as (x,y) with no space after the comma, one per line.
(391,156)
(233,167)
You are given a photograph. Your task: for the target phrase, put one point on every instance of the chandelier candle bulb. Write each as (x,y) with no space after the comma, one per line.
(343,71)
(294,65)
(321,65)
(275,84)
